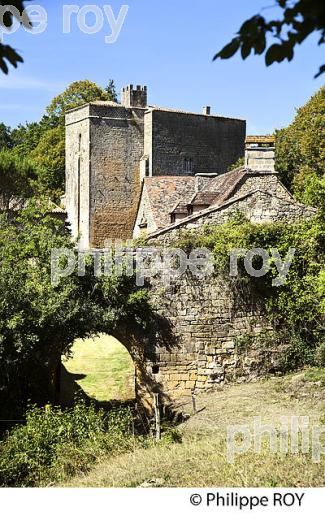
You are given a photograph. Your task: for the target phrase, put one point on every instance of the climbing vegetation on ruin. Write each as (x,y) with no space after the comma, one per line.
(296,308)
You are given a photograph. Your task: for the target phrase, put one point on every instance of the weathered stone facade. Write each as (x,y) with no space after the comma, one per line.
(103,175)
(192,347)
(111,147)
(258,206)
(134,168)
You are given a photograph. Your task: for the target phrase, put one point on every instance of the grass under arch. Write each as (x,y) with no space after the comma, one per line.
(102,368)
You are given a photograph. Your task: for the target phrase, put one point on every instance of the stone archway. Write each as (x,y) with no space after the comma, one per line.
(190,345)
(99,369)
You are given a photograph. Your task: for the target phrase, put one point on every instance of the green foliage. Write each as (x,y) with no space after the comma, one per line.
(111,90)
(26,137)
(55,443)
(8,55)
(300,18)
(298,305)
(300,151)
(43,142)
(49,159)
(16,176)
(238,164)
(316,375)
(39,322)
(77,94)
(5,137)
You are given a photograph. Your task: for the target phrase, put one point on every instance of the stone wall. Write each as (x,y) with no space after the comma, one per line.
(77,172)
(116,137)
(260,159)
(212,143)
(107,194)
(258,206)
(265,182)
(206,317)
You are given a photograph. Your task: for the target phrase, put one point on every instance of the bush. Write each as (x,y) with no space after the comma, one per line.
(55,443)
(296,308)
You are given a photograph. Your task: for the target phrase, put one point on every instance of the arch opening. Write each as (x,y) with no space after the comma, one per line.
(99,370)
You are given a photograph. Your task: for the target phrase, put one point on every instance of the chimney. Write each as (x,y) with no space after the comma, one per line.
(207,111)
(260,153)
(134,97)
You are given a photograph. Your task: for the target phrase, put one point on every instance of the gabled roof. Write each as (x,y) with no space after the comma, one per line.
(180,208)
(164,193)
(226,183)
(223,205)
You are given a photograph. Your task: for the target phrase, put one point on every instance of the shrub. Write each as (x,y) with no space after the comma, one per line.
(296,308)
(55,443)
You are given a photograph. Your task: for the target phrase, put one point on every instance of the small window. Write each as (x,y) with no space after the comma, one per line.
(188,165)
(172,218)
(147,168)
(143,223)
(155,369)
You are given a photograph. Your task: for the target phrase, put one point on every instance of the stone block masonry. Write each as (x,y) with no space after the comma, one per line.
(110,147)
(192,143)
(103,176)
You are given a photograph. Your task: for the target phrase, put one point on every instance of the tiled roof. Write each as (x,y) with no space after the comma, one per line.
(221,206)
(165,192)
(225,184)
(205,198)
(180,208)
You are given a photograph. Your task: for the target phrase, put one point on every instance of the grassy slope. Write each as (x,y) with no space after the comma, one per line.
(201,459)
(103,369)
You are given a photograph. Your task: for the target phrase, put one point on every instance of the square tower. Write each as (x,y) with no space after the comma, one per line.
(136,98)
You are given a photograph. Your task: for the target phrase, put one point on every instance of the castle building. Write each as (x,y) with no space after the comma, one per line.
(115,150)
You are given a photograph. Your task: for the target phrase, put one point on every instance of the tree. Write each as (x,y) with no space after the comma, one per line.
(26,137)
(300,150)
(44,141)
(38,321)
(8,55)
(16,176)
(111,90)
(77,94)
(5,137)
(49,159)
(300,18)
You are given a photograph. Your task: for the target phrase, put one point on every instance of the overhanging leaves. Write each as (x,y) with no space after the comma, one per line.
(300,18)
(8,55)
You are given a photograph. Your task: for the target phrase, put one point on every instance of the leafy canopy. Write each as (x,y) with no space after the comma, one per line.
(43,142)
(77,94)
(39,322)
(16,180)
(300,152)
(299,19)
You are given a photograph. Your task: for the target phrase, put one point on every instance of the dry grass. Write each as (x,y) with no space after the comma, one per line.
(201,459)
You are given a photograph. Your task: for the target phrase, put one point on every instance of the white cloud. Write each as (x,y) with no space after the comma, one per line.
(23,83)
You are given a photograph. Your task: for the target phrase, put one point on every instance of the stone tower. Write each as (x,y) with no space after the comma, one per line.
(111,147)
(131,97)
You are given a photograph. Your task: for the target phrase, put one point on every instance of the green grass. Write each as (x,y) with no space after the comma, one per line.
(315,375)
(201,459)
(102,368)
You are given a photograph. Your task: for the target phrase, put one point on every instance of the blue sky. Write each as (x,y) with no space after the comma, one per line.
(167,46)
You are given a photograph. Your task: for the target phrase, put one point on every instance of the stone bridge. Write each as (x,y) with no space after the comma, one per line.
(192,346)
